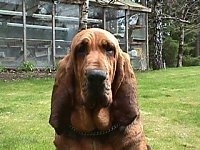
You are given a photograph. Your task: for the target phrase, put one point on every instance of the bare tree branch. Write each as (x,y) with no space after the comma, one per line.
(175,18)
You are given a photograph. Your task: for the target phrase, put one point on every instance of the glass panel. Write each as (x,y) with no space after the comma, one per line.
(39,33)
(115,23)
(137,40)
(67,24)
(11,33)
(138,56)
(136,26)
(95,16)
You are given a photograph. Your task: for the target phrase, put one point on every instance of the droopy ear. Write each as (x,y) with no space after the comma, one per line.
(62,95)
(125,106)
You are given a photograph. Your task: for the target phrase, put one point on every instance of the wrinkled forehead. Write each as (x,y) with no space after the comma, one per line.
(94,34)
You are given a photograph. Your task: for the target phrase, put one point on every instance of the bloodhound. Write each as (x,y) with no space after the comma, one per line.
(94,100)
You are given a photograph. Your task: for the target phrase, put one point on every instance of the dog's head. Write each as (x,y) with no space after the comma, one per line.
(95,53)
(96,74)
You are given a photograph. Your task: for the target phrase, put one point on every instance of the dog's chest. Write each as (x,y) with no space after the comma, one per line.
(86,120)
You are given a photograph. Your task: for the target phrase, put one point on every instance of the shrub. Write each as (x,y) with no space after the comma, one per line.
(27,66)
(2,69)
(170,50)
(191,61)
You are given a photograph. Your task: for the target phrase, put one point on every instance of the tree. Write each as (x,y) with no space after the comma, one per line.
(178,17)
(84,15)
(184,14)
(157,39)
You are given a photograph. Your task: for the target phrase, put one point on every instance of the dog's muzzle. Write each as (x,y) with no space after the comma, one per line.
(97,88)
(96,77)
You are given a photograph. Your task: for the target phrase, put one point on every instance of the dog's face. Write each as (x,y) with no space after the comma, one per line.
(94,55)
(95,84)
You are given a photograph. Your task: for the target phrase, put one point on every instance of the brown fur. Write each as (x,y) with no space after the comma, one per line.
(72,104)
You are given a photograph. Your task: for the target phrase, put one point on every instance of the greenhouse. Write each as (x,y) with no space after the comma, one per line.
(40,31)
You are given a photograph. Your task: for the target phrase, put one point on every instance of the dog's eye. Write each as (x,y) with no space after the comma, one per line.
(82,50)
(108,47)
(110,50)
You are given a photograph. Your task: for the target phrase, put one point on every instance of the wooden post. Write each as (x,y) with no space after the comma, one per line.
(24,30)
(104,18)
(126,29)
(145,22)
(147,41)
(53,35)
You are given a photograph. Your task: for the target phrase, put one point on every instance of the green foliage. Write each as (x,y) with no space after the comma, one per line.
(2,69)
(177,14)
(191,61)
(27,66)
(170,49)
(190,44)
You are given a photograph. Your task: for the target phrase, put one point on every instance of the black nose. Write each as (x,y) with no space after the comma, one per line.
(96,76)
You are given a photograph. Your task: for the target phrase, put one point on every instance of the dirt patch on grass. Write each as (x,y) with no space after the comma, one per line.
(17,75)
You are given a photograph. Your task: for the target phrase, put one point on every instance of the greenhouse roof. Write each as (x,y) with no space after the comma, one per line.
(122,4)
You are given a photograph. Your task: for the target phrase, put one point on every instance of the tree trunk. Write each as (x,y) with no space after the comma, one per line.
(198,41)
(157,62)
(181,49)
(84,15)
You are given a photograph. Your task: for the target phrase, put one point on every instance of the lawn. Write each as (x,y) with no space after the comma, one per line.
(169,101)
(170,104)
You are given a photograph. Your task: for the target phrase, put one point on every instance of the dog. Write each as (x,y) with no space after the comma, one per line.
(94,99)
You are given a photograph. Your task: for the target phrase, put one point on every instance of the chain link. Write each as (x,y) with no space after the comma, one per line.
(94,133)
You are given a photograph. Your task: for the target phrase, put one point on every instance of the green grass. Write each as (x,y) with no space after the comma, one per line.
(24,112)
(169,102)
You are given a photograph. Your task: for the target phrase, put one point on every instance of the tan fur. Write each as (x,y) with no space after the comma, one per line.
(96,49)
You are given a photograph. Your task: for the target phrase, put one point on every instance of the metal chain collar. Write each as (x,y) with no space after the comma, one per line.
(95,132)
